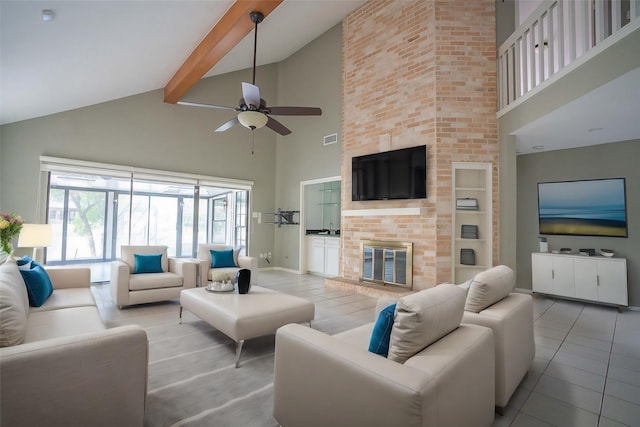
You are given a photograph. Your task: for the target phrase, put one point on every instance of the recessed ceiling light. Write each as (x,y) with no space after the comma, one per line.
(48,15)
(595,129)
(538,147)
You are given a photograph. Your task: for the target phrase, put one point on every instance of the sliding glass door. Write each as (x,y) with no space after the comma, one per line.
(93,215)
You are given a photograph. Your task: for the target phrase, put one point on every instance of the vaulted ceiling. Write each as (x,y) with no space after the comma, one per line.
(100,50)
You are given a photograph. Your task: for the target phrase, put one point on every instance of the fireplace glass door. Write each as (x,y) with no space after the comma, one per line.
(386,263)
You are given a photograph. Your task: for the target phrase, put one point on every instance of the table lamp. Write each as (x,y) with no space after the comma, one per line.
(35,236)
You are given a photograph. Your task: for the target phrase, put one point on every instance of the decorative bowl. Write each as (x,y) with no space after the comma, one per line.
(220,287)
(606,252)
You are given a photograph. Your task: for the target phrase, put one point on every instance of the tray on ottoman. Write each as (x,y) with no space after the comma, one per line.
(243,316)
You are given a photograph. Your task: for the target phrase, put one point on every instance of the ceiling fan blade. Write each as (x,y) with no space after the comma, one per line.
(276,126)
(295,111)
(228,125)
(251,94)
(198,104)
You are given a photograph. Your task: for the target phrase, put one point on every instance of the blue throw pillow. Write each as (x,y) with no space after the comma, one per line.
(222,258)
(151,263)
(379,343)
(24,263)
(39,286)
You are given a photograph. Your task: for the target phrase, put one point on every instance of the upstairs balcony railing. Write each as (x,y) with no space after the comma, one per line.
(559,35)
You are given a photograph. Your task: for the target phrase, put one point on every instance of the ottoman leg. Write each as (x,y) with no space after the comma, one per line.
(238,351)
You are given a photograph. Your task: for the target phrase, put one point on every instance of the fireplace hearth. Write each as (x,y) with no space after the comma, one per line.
(387,263)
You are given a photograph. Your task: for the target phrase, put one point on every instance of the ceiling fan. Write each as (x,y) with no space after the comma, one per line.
(253,110)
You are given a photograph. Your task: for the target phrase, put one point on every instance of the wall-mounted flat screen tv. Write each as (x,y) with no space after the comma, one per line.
(594,207)
(396,174)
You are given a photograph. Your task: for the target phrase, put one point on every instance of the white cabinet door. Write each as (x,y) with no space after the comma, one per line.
(612,282)
(332,257)
(316,255)
(586,279)
(542,273)
(563,277)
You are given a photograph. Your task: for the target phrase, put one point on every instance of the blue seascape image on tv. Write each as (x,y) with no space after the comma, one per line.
(591,208)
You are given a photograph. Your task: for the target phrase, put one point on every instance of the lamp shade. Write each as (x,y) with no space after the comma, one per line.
(35,236)
(252,119)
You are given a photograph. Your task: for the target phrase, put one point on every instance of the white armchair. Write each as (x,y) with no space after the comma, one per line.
(172,276)
(207,271)
(491,303)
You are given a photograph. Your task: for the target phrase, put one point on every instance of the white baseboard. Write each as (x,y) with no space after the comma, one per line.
(288,270)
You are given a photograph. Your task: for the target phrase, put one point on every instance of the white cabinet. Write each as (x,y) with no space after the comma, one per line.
(553,275)
(471,181)
(323,255)
(596,279)
(332,256)
(316,254)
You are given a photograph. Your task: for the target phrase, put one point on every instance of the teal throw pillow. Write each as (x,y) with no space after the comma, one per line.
(222,258)
(24,263)
(39,286)
(379,343)
(151,263)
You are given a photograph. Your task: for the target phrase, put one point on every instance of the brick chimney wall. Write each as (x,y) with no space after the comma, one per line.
(415,73)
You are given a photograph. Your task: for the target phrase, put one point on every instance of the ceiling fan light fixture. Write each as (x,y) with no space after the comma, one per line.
(252,119)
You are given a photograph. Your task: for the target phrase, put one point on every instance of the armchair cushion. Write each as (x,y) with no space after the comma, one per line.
(423,318)
(223,259)
(147,263)
(488,287)
(381,333)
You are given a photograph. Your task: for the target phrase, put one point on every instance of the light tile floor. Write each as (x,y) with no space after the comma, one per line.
(586,371)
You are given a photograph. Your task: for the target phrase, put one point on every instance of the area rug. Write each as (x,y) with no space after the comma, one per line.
(193,380)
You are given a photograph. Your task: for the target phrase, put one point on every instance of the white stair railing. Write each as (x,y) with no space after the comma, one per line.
(557,33)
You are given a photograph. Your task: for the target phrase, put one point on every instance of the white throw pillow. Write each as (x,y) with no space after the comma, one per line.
(14,305)
(423,318)
(489,287)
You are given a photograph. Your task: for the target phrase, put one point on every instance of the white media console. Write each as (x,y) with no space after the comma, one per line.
(595,278)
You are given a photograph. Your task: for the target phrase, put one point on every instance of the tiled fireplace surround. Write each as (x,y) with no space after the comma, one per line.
(414,73)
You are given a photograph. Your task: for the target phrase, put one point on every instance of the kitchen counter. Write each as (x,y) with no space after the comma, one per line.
(324,233)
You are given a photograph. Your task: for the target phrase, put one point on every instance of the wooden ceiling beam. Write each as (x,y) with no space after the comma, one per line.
(224,36)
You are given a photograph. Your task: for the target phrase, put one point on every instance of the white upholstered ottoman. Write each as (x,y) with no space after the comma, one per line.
(243,316)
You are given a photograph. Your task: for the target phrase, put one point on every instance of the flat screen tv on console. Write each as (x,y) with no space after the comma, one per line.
(396,174)
(594,207)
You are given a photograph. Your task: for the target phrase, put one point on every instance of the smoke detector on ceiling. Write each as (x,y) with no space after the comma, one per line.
(48,15)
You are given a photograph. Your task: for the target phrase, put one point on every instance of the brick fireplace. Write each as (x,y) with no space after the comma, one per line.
(415,73)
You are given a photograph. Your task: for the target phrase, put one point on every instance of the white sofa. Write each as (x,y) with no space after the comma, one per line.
(490,302)
(323,380)
(241,261)
(128,288)
(59,365)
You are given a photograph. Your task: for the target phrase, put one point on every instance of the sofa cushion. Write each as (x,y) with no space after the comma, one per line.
(38,284)
(65,322)
(222,259)
(147,263)
(488,287)
(14,305)
(379,343)
(423,318)
(67,298)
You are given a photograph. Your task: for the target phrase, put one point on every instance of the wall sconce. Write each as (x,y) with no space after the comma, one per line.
(35,236)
